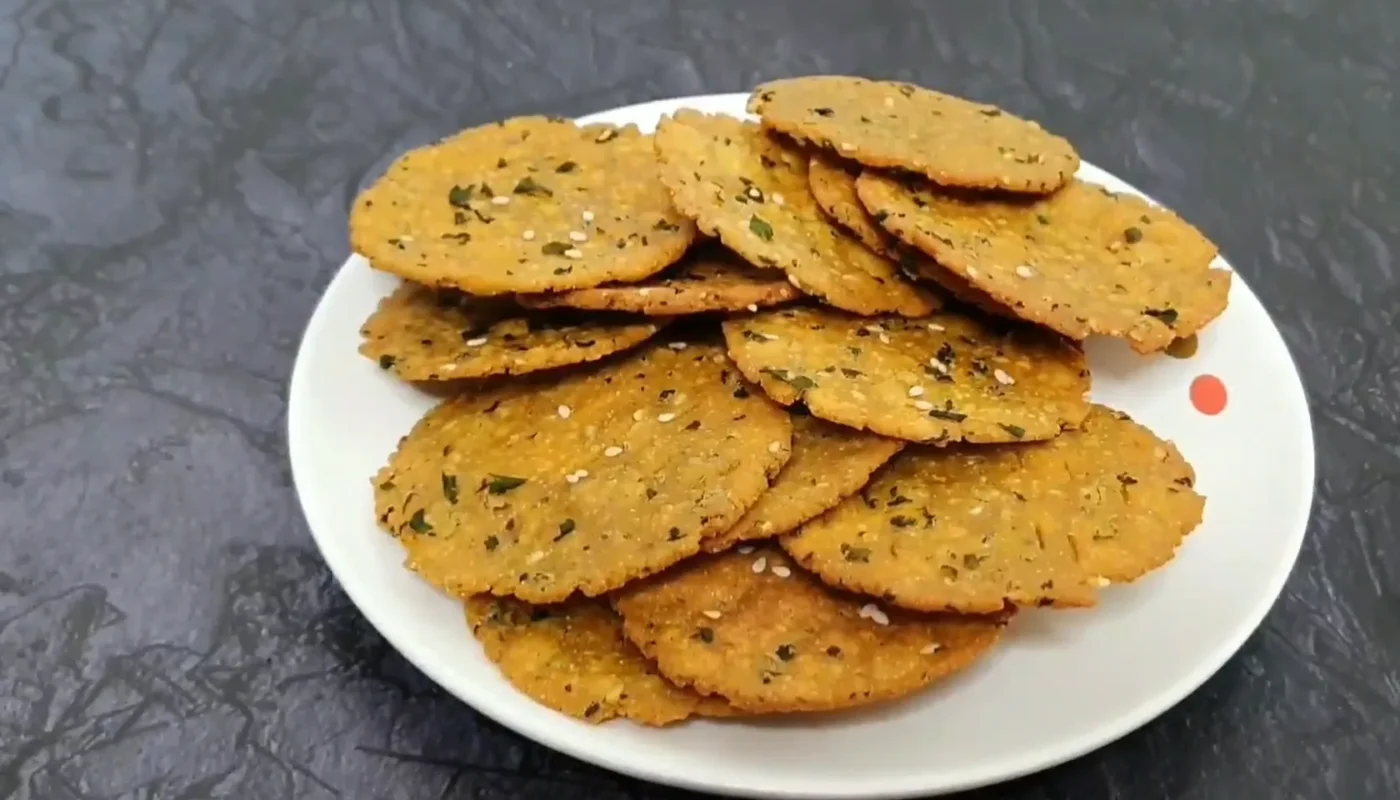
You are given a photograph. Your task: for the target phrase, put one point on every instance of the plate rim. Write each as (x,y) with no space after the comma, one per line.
(1026,763)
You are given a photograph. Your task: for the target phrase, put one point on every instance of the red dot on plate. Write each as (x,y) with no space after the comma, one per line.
(1208,394)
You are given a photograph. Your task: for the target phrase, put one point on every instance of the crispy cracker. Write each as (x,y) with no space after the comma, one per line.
(765,635)
(971,528)
(573,658)
(424,334)
(1133,501)
(887,124)
(749,190)
(533,488)
(945,529)
(833,183)
(829,463)
(1081,261)
(436,216)
(712,279)
(942,378)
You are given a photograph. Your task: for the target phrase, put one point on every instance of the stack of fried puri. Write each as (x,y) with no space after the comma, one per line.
(751,418)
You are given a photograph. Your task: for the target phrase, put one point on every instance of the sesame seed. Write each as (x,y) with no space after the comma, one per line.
(777,198)
(936,328)
(638,415)
(572,477)
(781,571)
(1002,377)
(565,412)
(665,417)
(583,473)
(577,236)
(745,549)
(916,391)
(500,200)
(884,339)
(678,346)
(753,308)
(587,216)
(535,556)
(775,447)
(889,102)
(1101,581)
(768,337)
(792,280)
(755,193)
(847,146)
(711,614)
(477,342)
(971,272)
(938,365)
(931,648)
(975,510)
(873,613)
(923,405)
(528,236)
(614,450)
(1025,271)
(573,252)
(644,291)
(760,565)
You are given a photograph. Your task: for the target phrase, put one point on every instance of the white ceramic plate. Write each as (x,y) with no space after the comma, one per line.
(1062,684)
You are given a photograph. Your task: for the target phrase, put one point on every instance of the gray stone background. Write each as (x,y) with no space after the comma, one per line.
(174,179)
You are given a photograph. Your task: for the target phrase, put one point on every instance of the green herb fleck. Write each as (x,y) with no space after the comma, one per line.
(823,112)
(386,361)
(767,162)
(663,225)
(449,488)
(500,484)
(951,416)
(786,652)
(760,228)
(554,248)
(1042,219)
(1133,235)
(492,543)
(901,521)
(567,166)
(565,528)
(705,634)
(528,186)
(833,651)
(1015,430)
(461,196)
(851,373)
(856,554)
(419,524)
(990,112)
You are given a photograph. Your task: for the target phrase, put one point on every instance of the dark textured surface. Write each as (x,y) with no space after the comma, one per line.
(174,178)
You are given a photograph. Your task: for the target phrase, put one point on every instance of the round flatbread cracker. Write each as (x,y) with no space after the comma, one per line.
(423,334)
(833,183)
(829,463)
(531,204)
(573,658)
(708,281)
(743,186)
(942,378)
(534,488)
(1080,261)
(954,142)
(760,632)
(1133,502)
(972,528)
